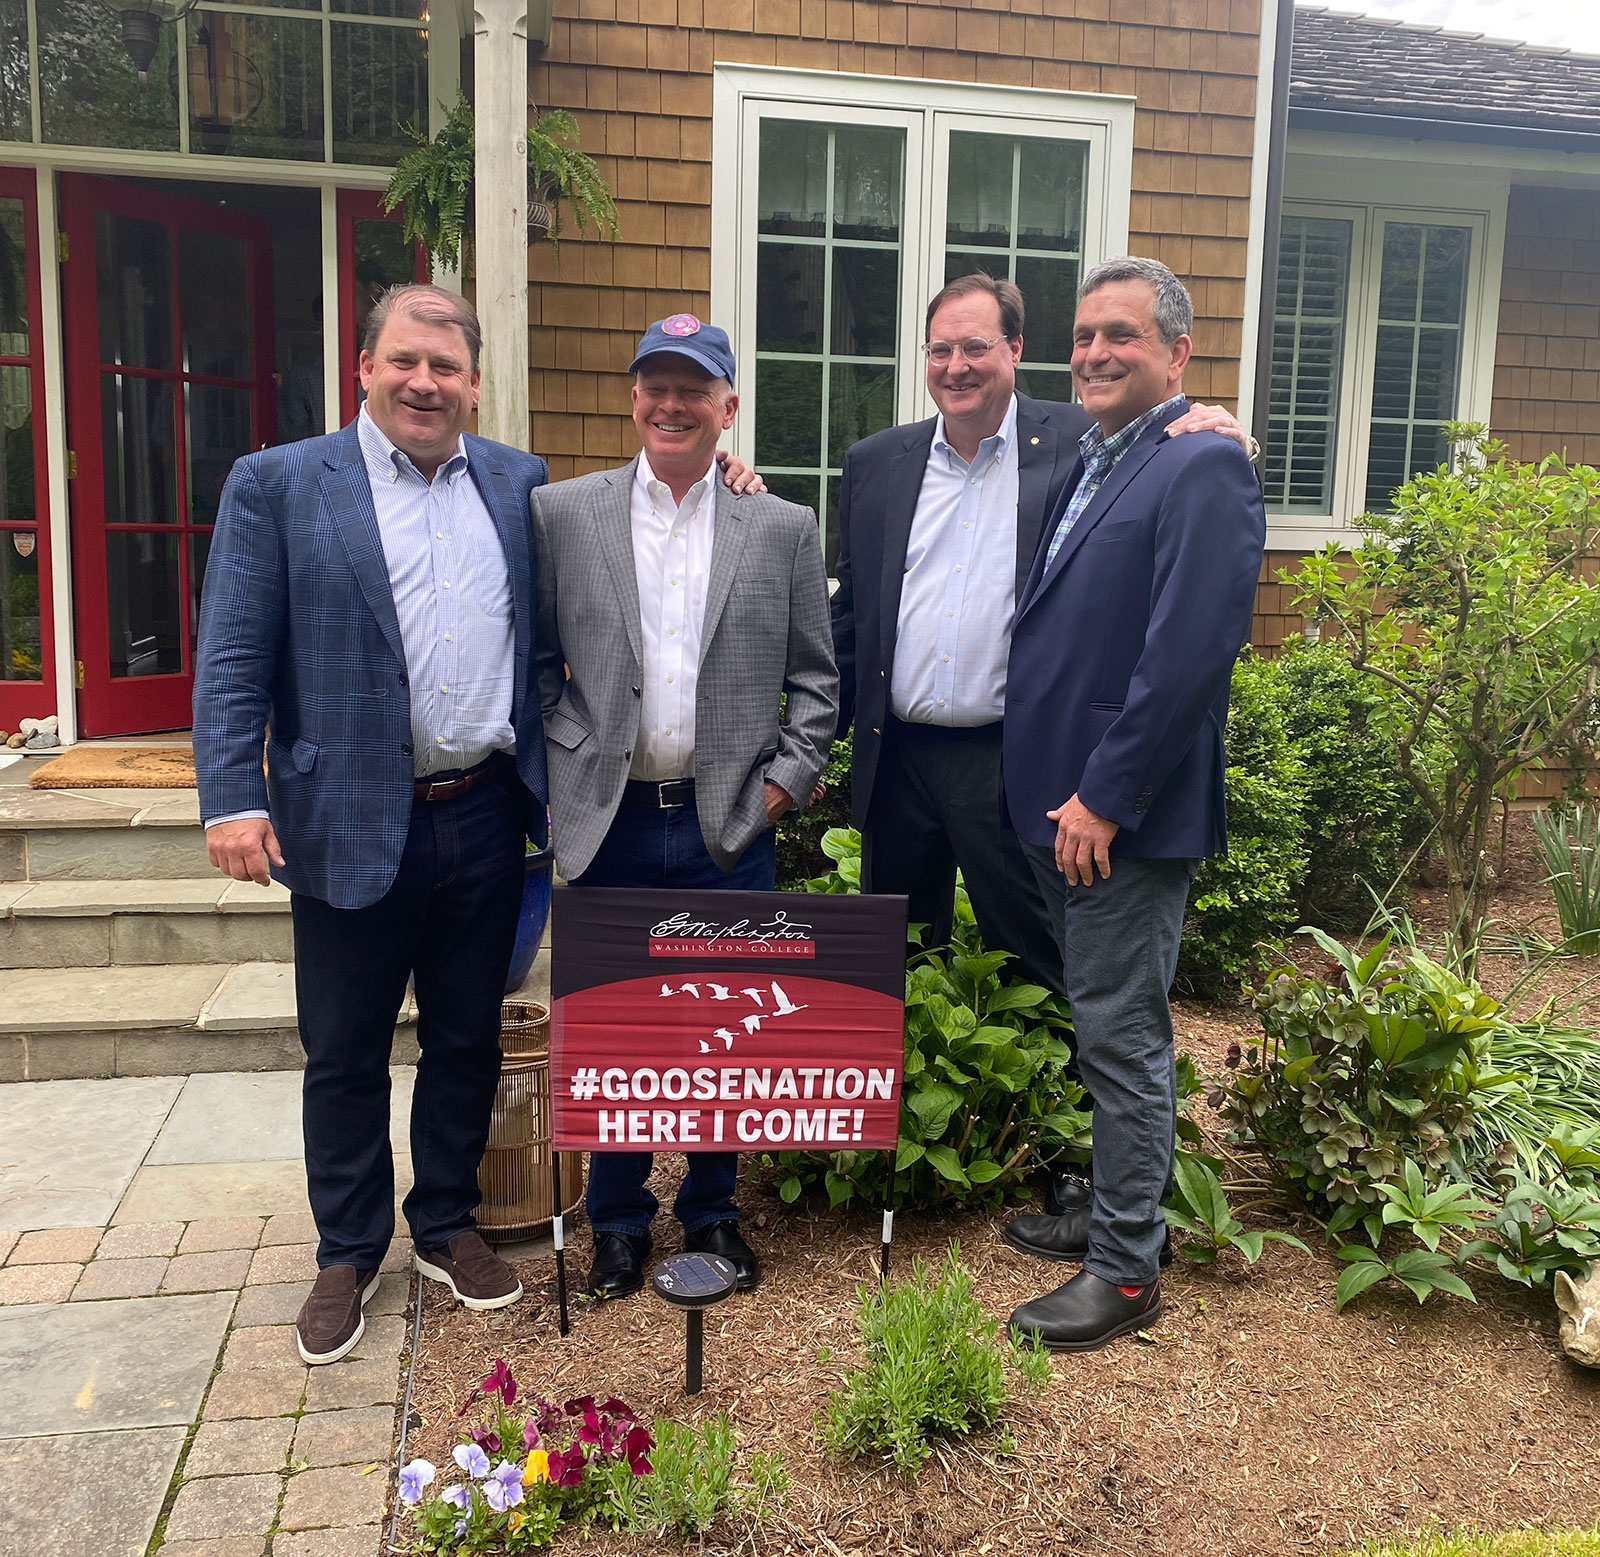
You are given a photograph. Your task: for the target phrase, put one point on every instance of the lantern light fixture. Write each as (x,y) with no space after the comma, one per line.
(141,27)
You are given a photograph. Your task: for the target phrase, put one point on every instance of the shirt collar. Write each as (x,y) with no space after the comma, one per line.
(645,479)
(1100,453)
(387,462)
(1000,441)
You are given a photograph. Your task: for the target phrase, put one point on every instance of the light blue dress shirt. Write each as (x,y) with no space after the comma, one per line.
(960,586)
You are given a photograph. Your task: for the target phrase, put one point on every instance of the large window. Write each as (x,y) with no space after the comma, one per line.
(290,80)
(1374,337)
(855,199)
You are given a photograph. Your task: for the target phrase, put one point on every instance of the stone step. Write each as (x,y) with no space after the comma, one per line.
(100,834)
(66,922)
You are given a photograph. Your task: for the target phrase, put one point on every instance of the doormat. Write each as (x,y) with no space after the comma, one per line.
(118,767)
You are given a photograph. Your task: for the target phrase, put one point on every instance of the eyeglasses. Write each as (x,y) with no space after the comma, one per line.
(975,348)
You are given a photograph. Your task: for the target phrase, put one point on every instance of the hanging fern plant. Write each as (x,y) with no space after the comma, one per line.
(432,186)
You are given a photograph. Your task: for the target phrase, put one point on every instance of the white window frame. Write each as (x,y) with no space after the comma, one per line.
(742,95)
(1374,194)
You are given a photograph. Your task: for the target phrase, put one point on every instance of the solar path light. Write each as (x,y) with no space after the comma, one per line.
(693,1282)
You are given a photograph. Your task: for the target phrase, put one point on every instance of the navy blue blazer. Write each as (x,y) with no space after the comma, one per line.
(877,502)
(1123,648)
(298,635)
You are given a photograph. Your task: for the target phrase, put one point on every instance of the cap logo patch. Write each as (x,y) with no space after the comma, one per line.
(680,324)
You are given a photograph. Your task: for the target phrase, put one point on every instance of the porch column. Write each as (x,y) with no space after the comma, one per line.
(501,234)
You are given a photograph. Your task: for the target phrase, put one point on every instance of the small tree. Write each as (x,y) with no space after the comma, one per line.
(1471,603)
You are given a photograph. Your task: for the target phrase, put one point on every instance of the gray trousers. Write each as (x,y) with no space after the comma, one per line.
(1120,941)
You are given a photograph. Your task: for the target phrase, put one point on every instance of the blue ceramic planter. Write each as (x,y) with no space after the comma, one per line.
(531,920)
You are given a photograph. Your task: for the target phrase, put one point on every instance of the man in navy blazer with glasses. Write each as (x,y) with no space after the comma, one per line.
(1116,707)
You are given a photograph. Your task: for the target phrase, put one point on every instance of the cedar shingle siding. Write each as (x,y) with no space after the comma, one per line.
(637,73)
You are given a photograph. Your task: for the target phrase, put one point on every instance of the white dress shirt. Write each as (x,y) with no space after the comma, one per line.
(959,591)
(672,562)
(452,598)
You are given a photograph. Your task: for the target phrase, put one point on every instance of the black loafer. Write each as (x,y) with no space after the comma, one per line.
(723,1238)
(618,1269)
(1066,1191)
(1086,1313)
(1064,1237)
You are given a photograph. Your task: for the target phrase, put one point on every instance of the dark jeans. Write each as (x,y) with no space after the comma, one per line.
(647,847)
(1121,939)
(938,804)
(448,921)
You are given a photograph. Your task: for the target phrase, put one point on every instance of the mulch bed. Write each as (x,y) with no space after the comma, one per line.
(1256,1421)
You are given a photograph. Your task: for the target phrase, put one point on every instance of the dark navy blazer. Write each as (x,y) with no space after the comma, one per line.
(298,635)
(1123,648)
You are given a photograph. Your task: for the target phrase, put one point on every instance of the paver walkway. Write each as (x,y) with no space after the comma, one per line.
(155,1245)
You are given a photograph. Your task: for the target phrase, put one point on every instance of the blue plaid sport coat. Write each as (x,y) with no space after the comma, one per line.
(299,642)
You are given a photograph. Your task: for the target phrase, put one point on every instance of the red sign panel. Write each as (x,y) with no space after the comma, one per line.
(775,1021)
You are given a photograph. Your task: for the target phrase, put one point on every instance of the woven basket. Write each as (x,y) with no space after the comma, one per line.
(515,1173)
(524,1030)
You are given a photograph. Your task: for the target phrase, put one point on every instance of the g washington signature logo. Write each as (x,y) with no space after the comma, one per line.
(681,935)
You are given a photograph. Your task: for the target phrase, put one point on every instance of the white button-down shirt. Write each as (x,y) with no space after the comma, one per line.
(672,562)
(960,586)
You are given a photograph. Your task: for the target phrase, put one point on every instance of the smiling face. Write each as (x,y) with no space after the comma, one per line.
(680,411)
(973,396)
(1121,367)
(421,387)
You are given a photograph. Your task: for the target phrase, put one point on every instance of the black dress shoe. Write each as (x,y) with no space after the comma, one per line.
(1064,1237)
(1086,1313)
(1066,1191)
(723,1238)
(618,1269)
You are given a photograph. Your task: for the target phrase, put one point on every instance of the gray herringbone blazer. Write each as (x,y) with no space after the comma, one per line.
(765,634)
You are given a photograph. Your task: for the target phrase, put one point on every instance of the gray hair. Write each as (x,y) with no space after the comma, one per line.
(1174,307)
(432,305)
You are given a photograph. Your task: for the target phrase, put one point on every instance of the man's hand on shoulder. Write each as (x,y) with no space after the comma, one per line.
(1083,841)
(739,478)
(242,848)
(1213,418)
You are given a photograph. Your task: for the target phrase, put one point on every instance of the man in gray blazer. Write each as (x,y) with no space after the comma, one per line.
(687,681)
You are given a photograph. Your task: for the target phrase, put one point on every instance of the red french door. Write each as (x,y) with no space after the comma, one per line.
(27,639)
(168,308)
(372,256)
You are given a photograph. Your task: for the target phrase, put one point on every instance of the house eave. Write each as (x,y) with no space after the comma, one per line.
(1417,127)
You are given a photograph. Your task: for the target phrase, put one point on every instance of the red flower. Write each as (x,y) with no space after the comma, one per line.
(486,1439)
(619,1408)
(579,1405)
(547,1414)
(530,1435)
(501,1383)
(636,1447)
(566,1466)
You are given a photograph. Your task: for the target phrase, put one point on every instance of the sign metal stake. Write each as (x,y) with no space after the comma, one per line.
(888,1219)
(558,1233)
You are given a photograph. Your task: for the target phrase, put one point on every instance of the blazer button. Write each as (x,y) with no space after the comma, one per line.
(405,681)
(405,750)
(636,691)
(876,730)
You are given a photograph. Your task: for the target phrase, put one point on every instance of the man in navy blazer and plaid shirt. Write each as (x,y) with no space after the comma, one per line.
(368,609)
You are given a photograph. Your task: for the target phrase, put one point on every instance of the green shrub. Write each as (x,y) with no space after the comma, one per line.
(1363,821)
(935,1368)
(1248,896)
(800,855)
(1569,846)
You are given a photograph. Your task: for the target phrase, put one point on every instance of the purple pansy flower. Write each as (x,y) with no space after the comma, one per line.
(503,1489)
(413,1478)
(530,1436)
(501,1383)
(457,1496)
(566,1467)
(485,1438)
(471,1458)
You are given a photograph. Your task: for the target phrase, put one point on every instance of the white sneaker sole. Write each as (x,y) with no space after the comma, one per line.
(315,1359)
(437,1273)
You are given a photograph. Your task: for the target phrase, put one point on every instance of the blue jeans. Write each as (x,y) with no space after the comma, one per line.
(448,920)
(647,847)
(1121,938)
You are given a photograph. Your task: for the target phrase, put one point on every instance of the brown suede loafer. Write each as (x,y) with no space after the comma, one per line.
(472,1270)
(330,1323)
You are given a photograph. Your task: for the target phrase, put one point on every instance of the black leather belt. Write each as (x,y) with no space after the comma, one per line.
(450,786)
(668,795)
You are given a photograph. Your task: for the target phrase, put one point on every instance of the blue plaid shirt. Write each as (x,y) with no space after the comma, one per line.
(1099,455)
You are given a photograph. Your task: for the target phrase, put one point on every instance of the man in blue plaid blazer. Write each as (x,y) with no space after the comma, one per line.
(368,610)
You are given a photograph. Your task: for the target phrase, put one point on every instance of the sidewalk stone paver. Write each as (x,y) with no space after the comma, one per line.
(339,1496)
(263,1346)
(240,1448)
(345,1437)
(8,1241)
(289,1227)
(56,1246)
(382,1337)
(278,1304)
(393,1295)
(119,1279)
(223,1272)
(255,1392)
(38,1283)
(139,1240)
(399,1256)
(223,1505)
(185,1191)
(222,1546)
(363,1541)
(286,1262)
(213,1233)
(367,1382)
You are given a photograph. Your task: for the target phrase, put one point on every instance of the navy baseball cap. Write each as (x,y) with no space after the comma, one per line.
(685,336)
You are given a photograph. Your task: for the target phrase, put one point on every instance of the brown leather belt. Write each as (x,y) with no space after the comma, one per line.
(458,784)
